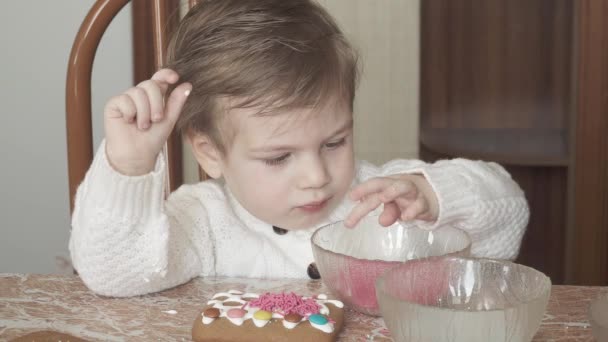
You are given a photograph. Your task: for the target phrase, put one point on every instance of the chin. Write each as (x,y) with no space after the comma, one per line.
(308,220)
(311,220)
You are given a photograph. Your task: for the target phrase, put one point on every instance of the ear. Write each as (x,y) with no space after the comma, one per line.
(206,153)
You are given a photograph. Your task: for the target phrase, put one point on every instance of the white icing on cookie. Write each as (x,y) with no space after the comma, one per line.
(235,296)
(323,298)
(259,322)
(327,327)
(290,325)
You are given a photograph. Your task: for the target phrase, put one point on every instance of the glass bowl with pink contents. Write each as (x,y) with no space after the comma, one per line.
(350,259)
(463,299)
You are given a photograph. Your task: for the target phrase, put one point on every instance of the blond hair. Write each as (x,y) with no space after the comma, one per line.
(273,54)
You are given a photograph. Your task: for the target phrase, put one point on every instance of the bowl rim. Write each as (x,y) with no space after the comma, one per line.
(546,282)
(466,250)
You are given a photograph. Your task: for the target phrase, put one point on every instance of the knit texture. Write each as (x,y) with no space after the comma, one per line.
(127,240)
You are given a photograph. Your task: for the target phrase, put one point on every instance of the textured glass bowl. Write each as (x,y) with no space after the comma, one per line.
(598,316)
(350,260)
(458,299)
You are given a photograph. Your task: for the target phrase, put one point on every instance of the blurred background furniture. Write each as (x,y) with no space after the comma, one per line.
(524,83)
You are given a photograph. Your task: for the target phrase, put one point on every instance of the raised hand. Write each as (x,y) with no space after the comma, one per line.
(138,122)
(405,197)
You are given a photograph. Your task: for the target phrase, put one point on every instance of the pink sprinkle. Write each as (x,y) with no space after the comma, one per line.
(286,303)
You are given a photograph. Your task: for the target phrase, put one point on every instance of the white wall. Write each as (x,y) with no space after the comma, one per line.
(36,38)
(386,33)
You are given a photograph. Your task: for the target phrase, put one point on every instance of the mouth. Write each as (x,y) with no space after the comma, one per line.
(313,207)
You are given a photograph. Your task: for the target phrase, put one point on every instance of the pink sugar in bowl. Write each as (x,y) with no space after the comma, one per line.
(350,259)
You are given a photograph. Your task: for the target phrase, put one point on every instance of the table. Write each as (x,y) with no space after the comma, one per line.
(30,303)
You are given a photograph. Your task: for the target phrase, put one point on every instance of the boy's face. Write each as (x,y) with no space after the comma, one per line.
(290,169)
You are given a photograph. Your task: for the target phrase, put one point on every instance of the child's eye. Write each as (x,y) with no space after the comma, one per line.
(336,144)
(277,160)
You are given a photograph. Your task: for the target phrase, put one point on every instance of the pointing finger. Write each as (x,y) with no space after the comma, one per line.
(399,188)
(365,207)
(368,187)
(390,214)
(176,102)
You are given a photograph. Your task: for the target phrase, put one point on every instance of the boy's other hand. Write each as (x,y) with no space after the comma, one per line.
(405,197)
(138,122)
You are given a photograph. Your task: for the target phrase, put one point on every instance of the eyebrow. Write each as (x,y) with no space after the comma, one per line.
(347,126)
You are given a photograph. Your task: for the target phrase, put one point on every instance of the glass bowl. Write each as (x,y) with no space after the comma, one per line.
(598,317)
(350,259)
(461,299)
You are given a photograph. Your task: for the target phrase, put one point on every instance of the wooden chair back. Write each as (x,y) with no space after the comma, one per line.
(78,85)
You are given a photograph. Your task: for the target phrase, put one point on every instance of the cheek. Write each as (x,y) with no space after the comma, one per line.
(344,166)
(261,181)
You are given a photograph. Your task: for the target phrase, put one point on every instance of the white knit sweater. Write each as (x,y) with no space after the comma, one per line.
(126,240)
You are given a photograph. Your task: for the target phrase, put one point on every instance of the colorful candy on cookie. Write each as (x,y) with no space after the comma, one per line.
(239,316)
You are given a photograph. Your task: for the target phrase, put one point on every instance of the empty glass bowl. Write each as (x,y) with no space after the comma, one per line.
(461,299)
(350,260)
(598,316)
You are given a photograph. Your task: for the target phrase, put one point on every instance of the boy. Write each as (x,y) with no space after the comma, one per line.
(264,92)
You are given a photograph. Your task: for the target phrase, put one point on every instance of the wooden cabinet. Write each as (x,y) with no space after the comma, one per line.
(500,81)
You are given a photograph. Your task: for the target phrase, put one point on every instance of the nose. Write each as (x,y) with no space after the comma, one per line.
(314,173)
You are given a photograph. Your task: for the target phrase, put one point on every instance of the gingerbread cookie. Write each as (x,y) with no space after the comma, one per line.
(238,316)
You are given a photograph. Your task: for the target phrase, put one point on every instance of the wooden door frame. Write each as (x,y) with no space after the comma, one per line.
(587,236)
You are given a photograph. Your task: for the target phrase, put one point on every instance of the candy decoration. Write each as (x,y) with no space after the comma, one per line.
(236,313)
(290,308)
(212,313)
(262,315)
(321,322)
(318,319)
(261,318)
(293,318)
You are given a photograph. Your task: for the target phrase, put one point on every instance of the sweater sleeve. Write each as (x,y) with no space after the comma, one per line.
(126,240)
(475,196)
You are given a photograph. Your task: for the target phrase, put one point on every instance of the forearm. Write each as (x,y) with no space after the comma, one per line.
(123,243)
(498,228)
(483,200)
(478,197)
